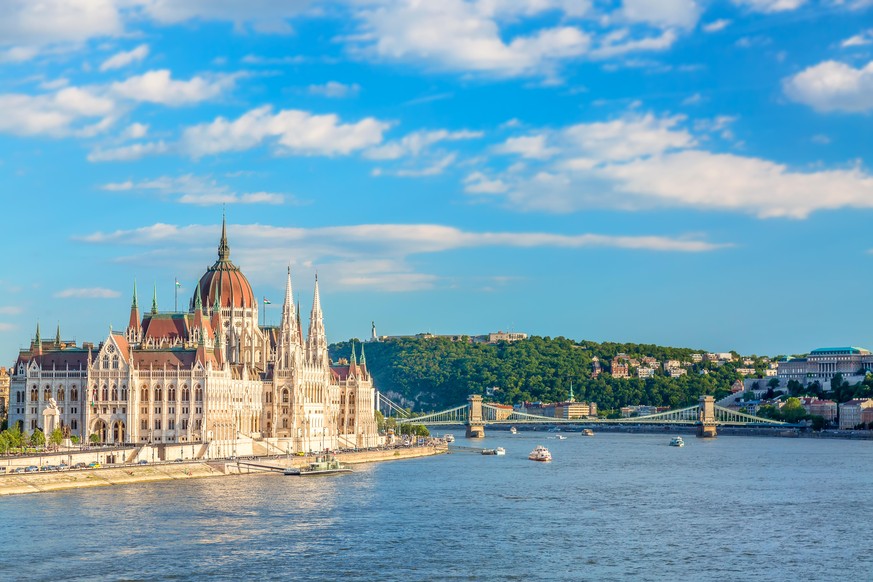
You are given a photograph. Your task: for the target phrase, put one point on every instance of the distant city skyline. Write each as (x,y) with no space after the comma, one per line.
(678,172)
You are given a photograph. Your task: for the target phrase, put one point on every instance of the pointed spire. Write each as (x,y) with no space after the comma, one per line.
(198,299)
(223,247)
(354,359)
(133,304)
(155,299)
(572,399)
(317,339)
(363,355)
(38,337)
(58,336)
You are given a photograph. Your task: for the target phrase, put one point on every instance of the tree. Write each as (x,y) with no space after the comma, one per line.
(793,411)
(56,437)
(38,438)
(94,438)
(818,422)
(773,383)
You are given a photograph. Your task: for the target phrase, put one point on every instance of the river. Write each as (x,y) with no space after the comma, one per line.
(609,507)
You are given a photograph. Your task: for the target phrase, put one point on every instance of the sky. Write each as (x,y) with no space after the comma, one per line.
(691,173)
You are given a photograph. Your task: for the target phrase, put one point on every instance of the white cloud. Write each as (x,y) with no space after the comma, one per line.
(619,42)
(770,5)
(87,293)
(833,86)
(528,146)
(124,58)
(129,152)
(269,16)
(10,310)
(459,36)
(438,167)
(159,87)
(7,326)
(415,143)
(198,190)
(716,25)
(27,25)
(55,114)
(861,39)
(641,162)
(136,131)
(479,183)
(335,90)
(294,131)
(662,13)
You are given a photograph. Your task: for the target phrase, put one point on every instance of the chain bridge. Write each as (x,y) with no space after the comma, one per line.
(476,414)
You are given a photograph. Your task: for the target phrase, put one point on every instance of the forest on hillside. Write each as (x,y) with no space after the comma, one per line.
(437,373)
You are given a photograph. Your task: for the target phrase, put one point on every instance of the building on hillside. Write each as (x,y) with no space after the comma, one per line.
(822,364)
(595,367)
(209,375)
(619,370)
(506,336)
(645,372)
(827,409)
(850,412)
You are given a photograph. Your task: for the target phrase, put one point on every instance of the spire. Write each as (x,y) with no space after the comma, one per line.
(363,355)
(317,339)
(133,323)
(38,338)
(223,247)
(571,393)
(58,336)
(353,359)
(133,304)
(155,300)
(198,299)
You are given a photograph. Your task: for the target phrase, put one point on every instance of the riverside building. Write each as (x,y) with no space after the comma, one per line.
(210,376)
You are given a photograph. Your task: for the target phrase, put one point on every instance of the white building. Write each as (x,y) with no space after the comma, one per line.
(210,375)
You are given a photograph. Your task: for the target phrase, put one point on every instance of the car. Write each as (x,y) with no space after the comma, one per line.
(63,467)
(142,462)
(300,454)
(94,465)
(18,470)
(45,468)
(2,469)
(79,466)
(178,461)
(31,469)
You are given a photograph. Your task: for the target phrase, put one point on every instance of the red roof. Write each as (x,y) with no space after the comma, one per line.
(165,325)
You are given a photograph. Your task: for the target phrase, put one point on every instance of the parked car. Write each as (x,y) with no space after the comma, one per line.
(31,469)
(79,466)
(94,465)
(178,461)
(63,467)
(142,462)
(18,470)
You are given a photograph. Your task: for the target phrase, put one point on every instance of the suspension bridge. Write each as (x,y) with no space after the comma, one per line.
(476,414)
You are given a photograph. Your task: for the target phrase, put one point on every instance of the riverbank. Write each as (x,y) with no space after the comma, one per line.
(776,431)
(21,483)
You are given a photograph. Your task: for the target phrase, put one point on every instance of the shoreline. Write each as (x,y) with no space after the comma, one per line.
(118,475)
(779,432)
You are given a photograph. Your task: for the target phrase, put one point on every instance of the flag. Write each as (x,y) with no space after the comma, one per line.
(178,284)
(267,301)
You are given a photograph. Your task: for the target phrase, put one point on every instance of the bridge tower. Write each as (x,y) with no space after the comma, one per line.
(475,424)
(706,426)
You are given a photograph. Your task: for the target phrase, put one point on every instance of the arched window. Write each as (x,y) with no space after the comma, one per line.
(61,394)
(74,424)
(186,395)
(285,397)
(47,393)
(171,393)
(284,423)
(105,394)
(198,394)
(144,396)
(115,393)
(94,395)
(34,395)
(124,391)
(114,362)
(106,361)
(158,394)
(74,394)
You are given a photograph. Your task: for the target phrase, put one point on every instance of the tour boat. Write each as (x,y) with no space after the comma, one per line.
(449,437)
(587,432)
(677,441)
(561,437)
(489,452)
(499,451)
(325,465)
(513,430)
(540,453)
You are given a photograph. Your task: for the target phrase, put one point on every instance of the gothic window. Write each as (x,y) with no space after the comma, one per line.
(106,362)
(144,424)
(123,392)
(114,362)
(158,394)
(105,393)
(171,393)
(157,424)
(60,394)
(114,394)
(198,395)
(144,396)
(74,424)
(47,393)
(171,424)
(284,423)
(186,395)
(285,396)
(34,395)
(74,394)
(184,424)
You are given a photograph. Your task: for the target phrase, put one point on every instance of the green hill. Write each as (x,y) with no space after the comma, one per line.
(437,373)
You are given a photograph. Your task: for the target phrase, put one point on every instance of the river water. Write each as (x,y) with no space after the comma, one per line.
(609,507)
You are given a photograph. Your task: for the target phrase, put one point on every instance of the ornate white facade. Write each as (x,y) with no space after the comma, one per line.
(209,376)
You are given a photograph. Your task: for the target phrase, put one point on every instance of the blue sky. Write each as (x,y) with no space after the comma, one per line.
(683,172)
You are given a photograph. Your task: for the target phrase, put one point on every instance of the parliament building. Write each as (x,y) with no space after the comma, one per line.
(210,377)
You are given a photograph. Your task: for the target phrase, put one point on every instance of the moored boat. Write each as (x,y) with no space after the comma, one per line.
(323,465)
(540,453)
(449,437)
(677,441)
(489,451)
(587,432)
(499,451)
(513,430)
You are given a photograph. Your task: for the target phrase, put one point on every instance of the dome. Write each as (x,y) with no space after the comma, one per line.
(225,281)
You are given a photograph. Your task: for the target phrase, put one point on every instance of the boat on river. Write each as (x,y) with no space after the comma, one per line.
(513,430)
(322,465)
(677,441)
(587,432)
(498,451)
(449,437)
(540,453)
